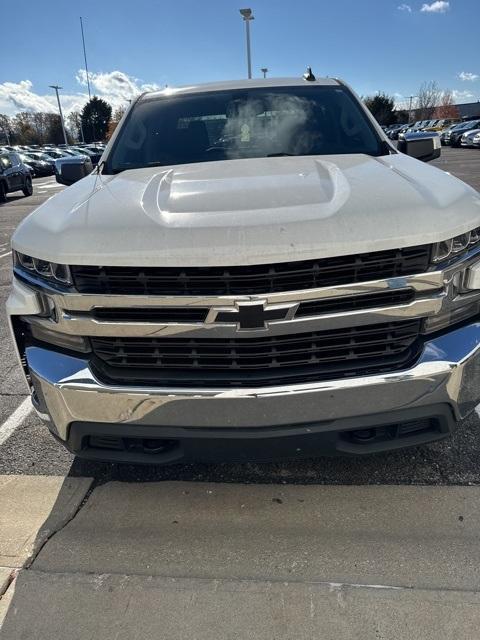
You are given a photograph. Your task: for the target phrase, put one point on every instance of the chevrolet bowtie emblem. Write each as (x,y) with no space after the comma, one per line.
(253,315)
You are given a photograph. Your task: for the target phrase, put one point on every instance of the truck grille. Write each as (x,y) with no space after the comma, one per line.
(267,360)
(245,280)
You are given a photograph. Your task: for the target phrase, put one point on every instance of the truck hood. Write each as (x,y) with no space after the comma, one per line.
(249,212)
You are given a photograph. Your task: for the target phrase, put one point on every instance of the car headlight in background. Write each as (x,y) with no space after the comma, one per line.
(50,271)
(455,246)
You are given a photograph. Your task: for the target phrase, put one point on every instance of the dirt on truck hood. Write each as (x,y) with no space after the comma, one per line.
(250,212)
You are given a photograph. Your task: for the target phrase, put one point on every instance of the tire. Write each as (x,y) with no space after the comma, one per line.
(3,193)
(28,190)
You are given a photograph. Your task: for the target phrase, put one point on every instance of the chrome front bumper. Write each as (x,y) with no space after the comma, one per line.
(447,373)
(67,392)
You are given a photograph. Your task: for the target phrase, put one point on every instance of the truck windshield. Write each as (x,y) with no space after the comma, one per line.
(243,123)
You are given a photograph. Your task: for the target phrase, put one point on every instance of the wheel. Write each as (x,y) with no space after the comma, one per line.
(28,190)
(3,193)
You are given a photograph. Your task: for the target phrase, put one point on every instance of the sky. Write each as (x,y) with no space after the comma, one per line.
(135,45)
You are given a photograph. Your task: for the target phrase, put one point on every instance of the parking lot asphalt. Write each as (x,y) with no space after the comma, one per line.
(31,450)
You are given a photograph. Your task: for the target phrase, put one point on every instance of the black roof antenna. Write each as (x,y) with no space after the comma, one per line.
(308,75)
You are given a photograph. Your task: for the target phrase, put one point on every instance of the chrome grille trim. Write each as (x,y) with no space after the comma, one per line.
(75,313)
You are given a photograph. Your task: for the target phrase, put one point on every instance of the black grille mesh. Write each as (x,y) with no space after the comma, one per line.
(269,360)
(244,280)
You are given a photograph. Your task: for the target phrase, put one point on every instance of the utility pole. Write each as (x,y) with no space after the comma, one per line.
(247,17)
(56,87)
(264,70)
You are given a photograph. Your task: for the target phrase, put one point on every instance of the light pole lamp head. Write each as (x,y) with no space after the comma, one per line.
(247,14)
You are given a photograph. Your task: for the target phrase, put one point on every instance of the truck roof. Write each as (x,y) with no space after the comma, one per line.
(238,84)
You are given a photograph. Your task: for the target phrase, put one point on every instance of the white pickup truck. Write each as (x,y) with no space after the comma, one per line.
(253,271)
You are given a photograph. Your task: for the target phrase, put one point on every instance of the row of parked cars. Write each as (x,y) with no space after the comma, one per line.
(44,160)
(20,163)
(453,132)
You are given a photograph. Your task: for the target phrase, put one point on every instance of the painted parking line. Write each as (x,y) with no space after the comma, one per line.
(15,420)
(4,255)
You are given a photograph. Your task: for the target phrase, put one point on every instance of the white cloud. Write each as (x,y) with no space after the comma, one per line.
(461,96)
(439,6)
(405,7)
(115,87)
(114,83)
(467,76)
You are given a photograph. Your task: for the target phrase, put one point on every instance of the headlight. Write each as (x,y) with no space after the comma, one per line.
(455,246)
(50,271)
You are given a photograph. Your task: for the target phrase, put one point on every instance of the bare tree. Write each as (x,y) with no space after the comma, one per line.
(6,133)
(447,108)
(74,124)
(428,99)
(24,131)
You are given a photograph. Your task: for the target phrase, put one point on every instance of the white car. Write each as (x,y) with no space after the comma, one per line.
(476,140)
(467,138)
(253,271)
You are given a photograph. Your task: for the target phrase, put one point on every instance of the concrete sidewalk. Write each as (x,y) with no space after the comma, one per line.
(192,560)
(115,607)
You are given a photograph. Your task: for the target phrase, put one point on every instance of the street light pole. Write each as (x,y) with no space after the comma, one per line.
(85,58)
(247,17)
(56,87)
(410,108)
(264,70)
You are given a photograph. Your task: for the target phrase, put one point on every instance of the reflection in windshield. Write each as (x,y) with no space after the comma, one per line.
(244,123)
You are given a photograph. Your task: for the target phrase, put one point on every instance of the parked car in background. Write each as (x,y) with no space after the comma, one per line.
(39,155)
(40,167)
(94,153)
(14,175)
(395,132)
(467,138)
(440,125)
(456,134)
(55,153)
(418,126)
(445,134)
(476,140)
(453,130)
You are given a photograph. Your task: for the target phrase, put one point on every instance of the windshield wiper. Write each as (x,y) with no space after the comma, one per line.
(279,154)
(137,166)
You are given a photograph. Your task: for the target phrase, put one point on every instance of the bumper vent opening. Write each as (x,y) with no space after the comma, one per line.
(401,431)
(151,446)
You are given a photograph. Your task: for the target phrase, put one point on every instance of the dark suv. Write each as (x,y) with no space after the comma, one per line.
(14,175)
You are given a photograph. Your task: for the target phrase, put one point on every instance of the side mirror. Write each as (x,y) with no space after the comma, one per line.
(70,170)
(422,146)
